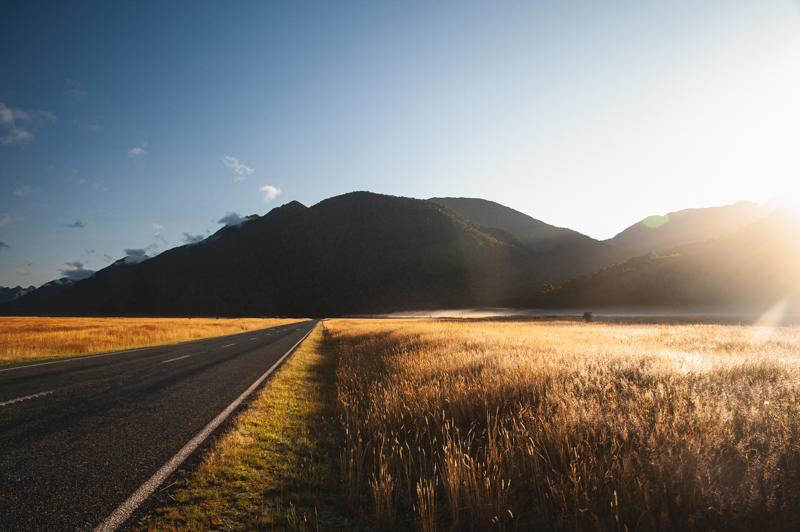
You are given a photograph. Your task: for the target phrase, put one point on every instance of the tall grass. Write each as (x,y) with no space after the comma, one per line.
(38,338)
(455,425)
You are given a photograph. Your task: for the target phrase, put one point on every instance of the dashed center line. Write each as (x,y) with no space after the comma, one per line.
(251,339)
(228,345)
(18,399)
(174,359)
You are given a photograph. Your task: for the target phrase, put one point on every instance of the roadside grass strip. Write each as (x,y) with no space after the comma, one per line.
(275,467)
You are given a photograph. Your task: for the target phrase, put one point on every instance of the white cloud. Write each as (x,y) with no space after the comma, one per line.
(270,192)
(23,191)
(136,151)
(240,169)
(158,227)
(17,124)
(22,271)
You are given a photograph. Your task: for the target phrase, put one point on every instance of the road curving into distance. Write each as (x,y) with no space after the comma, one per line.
(83,441)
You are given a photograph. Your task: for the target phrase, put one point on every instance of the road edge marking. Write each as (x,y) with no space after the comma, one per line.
(126,509)
(18,399)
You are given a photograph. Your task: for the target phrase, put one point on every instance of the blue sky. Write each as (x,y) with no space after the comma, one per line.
(139,125)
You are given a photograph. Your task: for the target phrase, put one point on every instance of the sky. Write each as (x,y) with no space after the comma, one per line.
(134,127)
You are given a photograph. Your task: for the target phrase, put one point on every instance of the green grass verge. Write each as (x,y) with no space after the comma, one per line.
(276,467)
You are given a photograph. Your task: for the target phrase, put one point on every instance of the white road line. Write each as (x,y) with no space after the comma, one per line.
(18,399)
(73,359)
(127,508)
(173,359)
(229,345)
(251,339)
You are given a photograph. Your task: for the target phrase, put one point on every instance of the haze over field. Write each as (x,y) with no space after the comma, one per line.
(127,129)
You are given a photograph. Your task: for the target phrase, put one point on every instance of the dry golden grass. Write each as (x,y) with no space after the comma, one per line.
(472,425)
(23,339)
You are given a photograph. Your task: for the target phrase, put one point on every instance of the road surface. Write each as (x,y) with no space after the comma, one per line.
(79,436)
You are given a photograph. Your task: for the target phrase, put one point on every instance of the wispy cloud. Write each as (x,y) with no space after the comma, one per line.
(270,192)
(17,125)
(238,168)
(7,219)
(158,228)
(24,191)
(3,245)
(75,90)
(135,152)
(22,271)
(232,218)
(77,225)
(192,239)
(75,271)
(84,125)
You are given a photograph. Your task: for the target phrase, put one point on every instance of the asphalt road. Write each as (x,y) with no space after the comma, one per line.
(92,430)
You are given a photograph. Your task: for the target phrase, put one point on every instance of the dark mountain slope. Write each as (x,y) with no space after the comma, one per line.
(27,300)
(574,252)
(657,233)
(752,269)
(356,253)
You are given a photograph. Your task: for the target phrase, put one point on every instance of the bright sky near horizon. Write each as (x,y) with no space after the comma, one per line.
(130,127)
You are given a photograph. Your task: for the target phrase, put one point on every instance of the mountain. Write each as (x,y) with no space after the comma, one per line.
(574,252)
(10,294)
(657,233)
(30,298)
(355,253)
(753,269)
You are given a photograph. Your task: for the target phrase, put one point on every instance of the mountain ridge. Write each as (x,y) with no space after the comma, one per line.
(575,253)
(355,253)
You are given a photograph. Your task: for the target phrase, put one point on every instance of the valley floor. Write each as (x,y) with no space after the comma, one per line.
(24,339)
(513,425)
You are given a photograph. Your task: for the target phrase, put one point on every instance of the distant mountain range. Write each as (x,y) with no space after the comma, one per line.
(753,269)
(10,294)
(355,253)
(658,233)
(365,253)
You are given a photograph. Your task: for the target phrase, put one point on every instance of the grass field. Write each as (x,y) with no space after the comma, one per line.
(570,426)
(26,339)
(513,425)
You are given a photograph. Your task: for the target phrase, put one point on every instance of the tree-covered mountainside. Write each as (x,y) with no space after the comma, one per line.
(753,269)
(355,253)
(574,252)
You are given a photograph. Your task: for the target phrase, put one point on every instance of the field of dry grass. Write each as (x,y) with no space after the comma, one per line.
(24,339)
(478,425)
